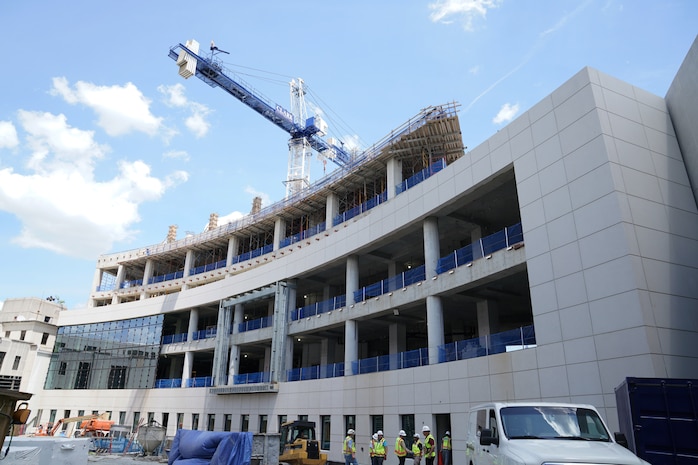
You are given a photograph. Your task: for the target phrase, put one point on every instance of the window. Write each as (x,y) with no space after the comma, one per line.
(62,367)
(376,423)
(194,421)
(165,419)
(122,418)
(151,418)
(44,339)
(22,334)
(136,420)
(52,416)
(8,334)
(180,420)
(303,417)
(325,432)
(117,377)
(15,365)
(2,358)
(349,423)
(227,422)
(47,319)
(81,413)
(244,423)
(407,424)
(83,376)
(282,419)
(211,422)
(262,423)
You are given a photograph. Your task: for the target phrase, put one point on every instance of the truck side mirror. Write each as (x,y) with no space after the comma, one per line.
(621,439)
(487,438)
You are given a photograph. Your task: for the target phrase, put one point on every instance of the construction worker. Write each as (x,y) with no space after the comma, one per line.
(429,446)
(379,449)
(416,449)
(372,448)
(400,447)
(349,448)
(446,452)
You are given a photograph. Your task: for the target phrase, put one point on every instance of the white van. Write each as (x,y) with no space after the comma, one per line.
(534,433)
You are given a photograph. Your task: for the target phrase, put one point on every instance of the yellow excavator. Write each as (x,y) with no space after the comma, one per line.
(299,444)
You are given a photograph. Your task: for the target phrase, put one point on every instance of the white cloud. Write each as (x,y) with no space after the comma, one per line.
(506,113)
(8,135)
(120,109)
(196,122)
(462,10)
(177,154)
(61,206)
(474,70)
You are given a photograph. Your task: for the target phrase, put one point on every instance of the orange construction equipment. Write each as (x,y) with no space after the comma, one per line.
(90,424)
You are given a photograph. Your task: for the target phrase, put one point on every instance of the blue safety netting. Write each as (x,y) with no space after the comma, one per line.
(191,447)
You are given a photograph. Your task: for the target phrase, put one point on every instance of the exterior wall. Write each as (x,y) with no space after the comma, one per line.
(681,100)
(611,248)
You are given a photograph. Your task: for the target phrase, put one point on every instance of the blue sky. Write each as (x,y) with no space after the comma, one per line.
(103,146)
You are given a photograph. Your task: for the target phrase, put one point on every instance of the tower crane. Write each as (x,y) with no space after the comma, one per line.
(305,133)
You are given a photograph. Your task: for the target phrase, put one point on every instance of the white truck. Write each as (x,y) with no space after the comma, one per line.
(537,433)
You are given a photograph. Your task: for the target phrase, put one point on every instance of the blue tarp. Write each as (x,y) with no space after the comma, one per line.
(191,447)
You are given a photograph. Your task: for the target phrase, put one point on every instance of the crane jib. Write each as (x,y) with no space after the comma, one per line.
(212,73)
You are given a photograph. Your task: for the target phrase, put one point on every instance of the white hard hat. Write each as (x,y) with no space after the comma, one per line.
(416,435)
(402,433)
(351,431)
(448,433)
(425,428)
(379,433)
(375,436)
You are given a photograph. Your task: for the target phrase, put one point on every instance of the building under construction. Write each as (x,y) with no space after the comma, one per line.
(550,262)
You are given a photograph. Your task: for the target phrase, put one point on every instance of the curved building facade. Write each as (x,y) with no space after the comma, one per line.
(550,262)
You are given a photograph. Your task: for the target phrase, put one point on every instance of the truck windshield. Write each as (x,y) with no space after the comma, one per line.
(553,422)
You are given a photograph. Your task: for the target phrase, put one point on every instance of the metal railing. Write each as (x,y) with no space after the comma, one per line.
(252,378)
(255,324)
(310,232)
(421,176)
(319,307)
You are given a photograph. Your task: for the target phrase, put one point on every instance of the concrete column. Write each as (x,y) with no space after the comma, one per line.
(351,346)
(267,360)
(238,317)
(233,363)
(193,324)
(487,317)
(392,269)
(186,369)
(475,236)
(147,274)
(331,210)
(352,279)
(279,231)
(394,175)
(431,246)
(117,285)
(188,260)
(326,351)
(233,244)
(435,327)
(397,342)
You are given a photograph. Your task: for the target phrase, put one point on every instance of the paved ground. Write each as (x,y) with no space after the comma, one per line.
(119,459)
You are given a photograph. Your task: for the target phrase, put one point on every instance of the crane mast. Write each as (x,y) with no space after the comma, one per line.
(306,134)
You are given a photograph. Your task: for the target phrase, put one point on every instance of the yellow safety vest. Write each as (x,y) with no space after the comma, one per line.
(446,443)
(429,450)
(372,449)
(400,450)
(347,450)
(415,448)
(379,449)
